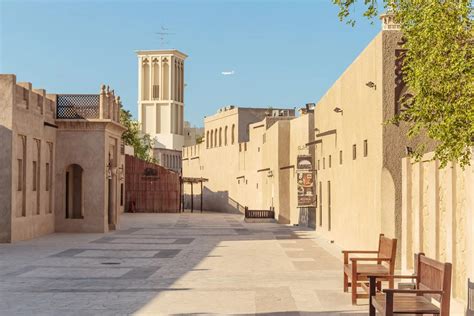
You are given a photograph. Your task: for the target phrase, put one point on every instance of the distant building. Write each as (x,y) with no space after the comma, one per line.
(192,134)
(161,103)
(249,156)
(61,161)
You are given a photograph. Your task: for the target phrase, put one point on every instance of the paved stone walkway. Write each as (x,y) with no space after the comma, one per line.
(169,264)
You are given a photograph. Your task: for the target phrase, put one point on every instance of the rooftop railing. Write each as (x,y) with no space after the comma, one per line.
(78,106)
(103,106)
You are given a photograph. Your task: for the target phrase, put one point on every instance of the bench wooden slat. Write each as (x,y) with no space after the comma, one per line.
(406,304)
(367,269)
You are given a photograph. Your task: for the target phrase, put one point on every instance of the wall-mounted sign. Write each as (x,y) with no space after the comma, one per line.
(150,174)
(304,162)
(305,181)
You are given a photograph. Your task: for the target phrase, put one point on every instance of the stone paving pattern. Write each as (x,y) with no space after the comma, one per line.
(175,264)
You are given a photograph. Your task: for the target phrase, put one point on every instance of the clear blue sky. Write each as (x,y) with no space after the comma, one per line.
(283,53)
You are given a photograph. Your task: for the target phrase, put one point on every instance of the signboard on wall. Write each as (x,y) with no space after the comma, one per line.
(305,181)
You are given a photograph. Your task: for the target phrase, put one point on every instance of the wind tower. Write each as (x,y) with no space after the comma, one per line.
(161,96)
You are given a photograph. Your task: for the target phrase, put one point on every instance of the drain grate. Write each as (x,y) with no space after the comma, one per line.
(110,263)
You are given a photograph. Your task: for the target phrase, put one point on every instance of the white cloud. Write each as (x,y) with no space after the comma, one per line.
(228,73)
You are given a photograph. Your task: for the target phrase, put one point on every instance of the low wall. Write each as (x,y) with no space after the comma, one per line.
(438,217)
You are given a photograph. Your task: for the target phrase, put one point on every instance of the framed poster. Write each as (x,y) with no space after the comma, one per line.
(305,181)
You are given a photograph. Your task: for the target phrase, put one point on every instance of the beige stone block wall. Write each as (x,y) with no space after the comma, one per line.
(437,217)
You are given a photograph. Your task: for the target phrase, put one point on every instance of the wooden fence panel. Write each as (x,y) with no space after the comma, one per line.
(150,188)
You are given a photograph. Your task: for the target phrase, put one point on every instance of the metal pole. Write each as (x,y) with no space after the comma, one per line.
(180,193)
(192,196)
(201,195)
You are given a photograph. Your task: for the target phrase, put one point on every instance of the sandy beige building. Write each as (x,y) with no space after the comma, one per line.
(61,161)
(358,157)
(249,156)
(168,158)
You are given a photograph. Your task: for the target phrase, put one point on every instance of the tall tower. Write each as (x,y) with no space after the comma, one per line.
(161,96)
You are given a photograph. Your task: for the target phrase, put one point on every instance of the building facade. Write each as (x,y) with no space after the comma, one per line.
(358,155)
(192,134)
(249,156)
(62,165)
(27,160)
(168,158)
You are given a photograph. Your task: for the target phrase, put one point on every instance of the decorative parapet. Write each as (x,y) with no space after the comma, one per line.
(34,100)
(388,22)
(103,106)
(192,151)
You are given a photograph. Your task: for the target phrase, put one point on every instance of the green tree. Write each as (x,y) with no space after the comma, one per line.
(438,68)
(142,143)
(199,139)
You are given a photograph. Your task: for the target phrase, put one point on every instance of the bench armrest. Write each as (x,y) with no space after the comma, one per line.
(394,276)
(371,259)
(359,251)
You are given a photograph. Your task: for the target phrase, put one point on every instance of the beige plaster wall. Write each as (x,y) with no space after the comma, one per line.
(25,111)
(437,217)
(77,149)
(356,184)
(79,141)
(7,99)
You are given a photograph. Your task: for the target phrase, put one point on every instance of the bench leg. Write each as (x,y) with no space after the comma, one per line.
(354,292)
(372,285)
(389,304)
(346,282)
(354,282)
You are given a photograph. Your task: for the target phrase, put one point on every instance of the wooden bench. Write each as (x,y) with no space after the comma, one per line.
(358,270)
(259,213)
(433,281)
